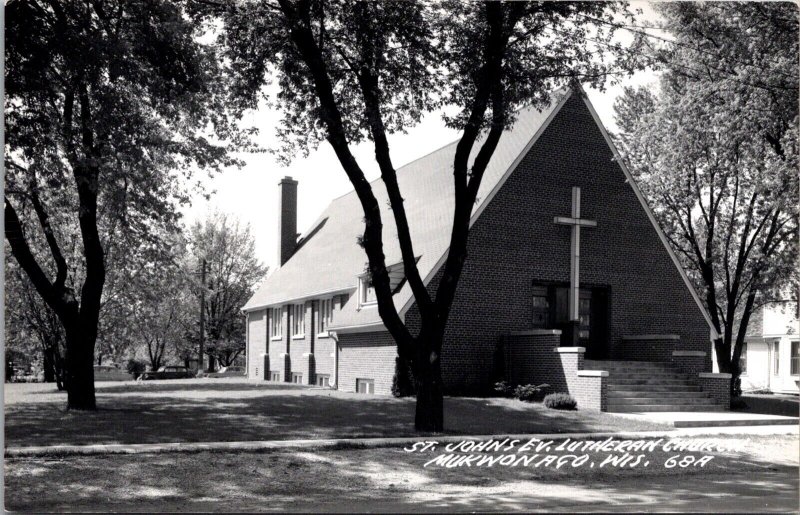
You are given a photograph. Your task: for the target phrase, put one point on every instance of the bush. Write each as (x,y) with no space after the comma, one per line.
(530,393)
(135,367)
(403,380)
(738,404)
(504,389)
(563,401)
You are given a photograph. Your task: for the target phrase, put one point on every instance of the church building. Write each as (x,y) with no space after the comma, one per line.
(569,280)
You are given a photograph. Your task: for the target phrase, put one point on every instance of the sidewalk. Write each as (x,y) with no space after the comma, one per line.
(712,419)
(365,443)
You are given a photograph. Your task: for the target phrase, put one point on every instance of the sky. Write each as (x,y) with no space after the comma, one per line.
(250,193)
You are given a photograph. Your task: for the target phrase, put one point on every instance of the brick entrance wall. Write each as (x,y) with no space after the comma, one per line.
(366,356)
(515,242)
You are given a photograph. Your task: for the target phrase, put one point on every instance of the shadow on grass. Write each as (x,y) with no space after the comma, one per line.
(385,480)
(165,413)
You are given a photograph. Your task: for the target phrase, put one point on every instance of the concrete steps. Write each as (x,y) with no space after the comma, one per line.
(642,386)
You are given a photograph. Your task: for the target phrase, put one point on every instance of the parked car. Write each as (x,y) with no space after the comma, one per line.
(168,372)
(110,373)
(227,372)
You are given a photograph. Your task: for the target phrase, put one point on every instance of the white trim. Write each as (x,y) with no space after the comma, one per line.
(535,332)
(297,300)
(308,354)
(299,336)
(713,375)
(652,337)
(592,373)
(570,350)
(323,335)
(689,354)
(497,187)
(646,206)
(276,338)
(283,355)
(365,328)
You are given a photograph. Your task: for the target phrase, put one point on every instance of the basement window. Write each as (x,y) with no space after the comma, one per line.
(323,380)
(365,385)
(297,378)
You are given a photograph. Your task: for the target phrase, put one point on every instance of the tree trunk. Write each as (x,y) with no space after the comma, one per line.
(430,395)
(49,366)
(80,370)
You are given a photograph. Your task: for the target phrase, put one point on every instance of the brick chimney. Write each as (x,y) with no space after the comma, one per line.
(287,219)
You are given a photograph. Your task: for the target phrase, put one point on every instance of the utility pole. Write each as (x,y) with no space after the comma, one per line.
(202,314)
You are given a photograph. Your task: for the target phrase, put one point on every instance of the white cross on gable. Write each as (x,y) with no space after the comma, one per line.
(576,222)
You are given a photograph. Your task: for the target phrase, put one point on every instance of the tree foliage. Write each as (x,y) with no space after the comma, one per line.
(233,271)
(715,150)
(110,106)
(351,72)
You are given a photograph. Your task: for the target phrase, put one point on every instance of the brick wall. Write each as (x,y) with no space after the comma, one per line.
(300,347)
(368,356)
(690,362)
(718,387)
(653,347)
(256,343)
(278,347)
(515,242)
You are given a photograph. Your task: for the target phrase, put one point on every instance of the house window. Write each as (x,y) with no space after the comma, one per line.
(325,316)
(776,358)
(323,380)
(277,321)
(743,359)
(298,320)
(365,385)
(795,358)
(541,308)
(274,376)
(297,378)
(367,294)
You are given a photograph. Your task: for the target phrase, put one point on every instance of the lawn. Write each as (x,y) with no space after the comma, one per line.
(202,410)
(760,476)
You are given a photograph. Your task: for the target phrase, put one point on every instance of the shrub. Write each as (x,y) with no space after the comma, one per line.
(563,401)
(504,389)
(403,380)
(530,393)
(738,404)
(135,367)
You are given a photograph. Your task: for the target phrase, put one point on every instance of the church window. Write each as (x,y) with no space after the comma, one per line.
(541,307)
(795,358)
(776,360)
(325,316)
(298,320)
(276,322)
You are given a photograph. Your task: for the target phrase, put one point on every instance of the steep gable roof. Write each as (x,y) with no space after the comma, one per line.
(330,259)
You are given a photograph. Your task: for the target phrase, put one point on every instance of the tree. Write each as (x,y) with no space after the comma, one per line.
(32,329)
(105,104)
(716,153)
(354,72)
(233,271)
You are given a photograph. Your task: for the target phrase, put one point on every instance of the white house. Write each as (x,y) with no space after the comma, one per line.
(771,357)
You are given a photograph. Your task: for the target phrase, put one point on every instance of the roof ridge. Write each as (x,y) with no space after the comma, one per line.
(558,91)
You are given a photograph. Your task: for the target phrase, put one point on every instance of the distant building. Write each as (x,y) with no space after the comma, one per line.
(771,357)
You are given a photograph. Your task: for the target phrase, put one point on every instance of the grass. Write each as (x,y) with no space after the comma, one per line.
(203,410)
(390,479)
